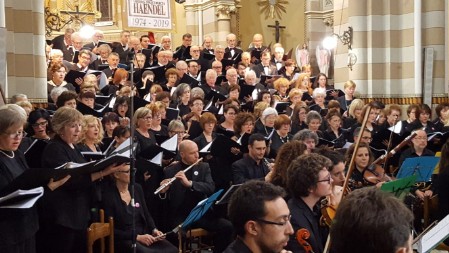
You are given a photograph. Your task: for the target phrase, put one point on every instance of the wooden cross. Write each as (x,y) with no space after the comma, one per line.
(278,29)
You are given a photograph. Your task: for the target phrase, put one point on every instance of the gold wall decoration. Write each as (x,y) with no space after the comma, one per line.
(75,13)
(273,8)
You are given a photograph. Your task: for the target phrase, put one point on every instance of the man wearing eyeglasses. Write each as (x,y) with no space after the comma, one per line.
(260,217)
(309,180)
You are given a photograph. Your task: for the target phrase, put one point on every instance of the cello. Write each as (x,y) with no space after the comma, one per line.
(302,235)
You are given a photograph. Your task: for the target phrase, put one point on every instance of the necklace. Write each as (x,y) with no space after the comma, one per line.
(9,156)
(284,139)
(123,192)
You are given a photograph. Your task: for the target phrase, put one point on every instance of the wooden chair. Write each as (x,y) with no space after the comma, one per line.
(187,239)
(100,230)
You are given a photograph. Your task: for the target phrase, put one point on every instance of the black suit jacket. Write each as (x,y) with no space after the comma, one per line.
(246,169)
(228,54)
(181,199)
(259,69)
(303,217)
(58,42)
(123,54)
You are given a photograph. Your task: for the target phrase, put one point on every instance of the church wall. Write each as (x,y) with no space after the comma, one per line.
(253,21)
(384,44)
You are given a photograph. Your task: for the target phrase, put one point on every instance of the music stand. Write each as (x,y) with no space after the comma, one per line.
(200,209)
(227,196)
(422,167)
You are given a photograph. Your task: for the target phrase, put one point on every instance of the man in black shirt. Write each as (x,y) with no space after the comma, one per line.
(253,165)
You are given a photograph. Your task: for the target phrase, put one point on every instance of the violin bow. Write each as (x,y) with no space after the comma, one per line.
(350,169)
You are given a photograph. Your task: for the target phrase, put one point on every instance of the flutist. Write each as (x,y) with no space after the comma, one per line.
(190,188)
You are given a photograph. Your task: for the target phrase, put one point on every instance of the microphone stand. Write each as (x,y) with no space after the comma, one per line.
(131,55)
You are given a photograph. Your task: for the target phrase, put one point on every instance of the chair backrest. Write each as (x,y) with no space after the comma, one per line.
(100,230)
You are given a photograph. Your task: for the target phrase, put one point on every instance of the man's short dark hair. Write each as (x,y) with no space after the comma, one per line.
(248,203)
(255,137)
(64,97)
(384,219)
(357,131)
(186,35)
(144,36)
(303,173)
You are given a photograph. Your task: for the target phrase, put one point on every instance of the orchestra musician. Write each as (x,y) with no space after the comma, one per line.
(261,218)
(190,188)
(363,158)
(383,215)
(308,181)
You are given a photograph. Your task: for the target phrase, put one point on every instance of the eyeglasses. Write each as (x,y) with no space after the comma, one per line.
(147,118)
(277,223)
(15,135)
(178,132)
(38,124)
(328,179)
(420,138)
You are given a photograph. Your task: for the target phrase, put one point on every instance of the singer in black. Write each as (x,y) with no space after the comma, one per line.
(190,188)
(117,203)
(17,226)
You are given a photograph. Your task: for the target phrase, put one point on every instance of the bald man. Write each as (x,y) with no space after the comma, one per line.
(190,188)
(257,45)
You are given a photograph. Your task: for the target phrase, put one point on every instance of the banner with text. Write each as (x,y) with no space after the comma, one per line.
(150,14)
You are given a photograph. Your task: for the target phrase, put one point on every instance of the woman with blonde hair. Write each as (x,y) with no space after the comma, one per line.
(295,95)
(346,100)
(91,134)
(354,113)
(281,85)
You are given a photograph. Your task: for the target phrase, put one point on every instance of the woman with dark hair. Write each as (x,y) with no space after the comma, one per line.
(363,158)
(286,154)
(121,107)
(181,99)
(412,111)
(299,118)
(110,121)
(117,204)
(38,128)
(334,132)
(229,113)
(281,135)
(120,135)
(423,115)
(322,82)
(265,96)
(243,124)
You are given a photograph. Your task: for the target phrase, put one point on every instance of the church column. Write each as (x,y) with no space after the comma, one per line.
(209,17)
(223,13)
(25,49)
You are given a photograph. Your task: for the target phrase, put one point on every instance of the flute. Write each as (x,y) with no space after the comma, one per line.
(169,182)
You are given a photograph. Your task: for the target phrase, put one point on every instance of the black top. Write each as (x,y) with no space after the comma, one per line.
(16,225)
(276,143)
(246,169)
(237,246)
(115,207)
(162,132)
(144,142)
(303,217)
(69,205)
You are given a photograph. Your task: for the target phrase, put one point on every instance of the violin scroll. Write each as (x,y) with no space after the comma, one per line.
(302,235)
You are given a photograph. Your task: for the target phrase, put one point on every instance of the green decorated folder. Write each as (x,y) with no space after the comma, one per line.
(399,187)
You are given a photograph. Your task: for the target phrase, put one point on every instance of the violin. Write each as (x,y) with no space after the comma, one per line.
(301,236)
(327,212)
(375,173)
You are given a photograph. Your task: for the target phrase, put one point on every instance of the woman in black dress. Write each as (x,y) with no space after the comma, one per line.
(64,214)
(17,226)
